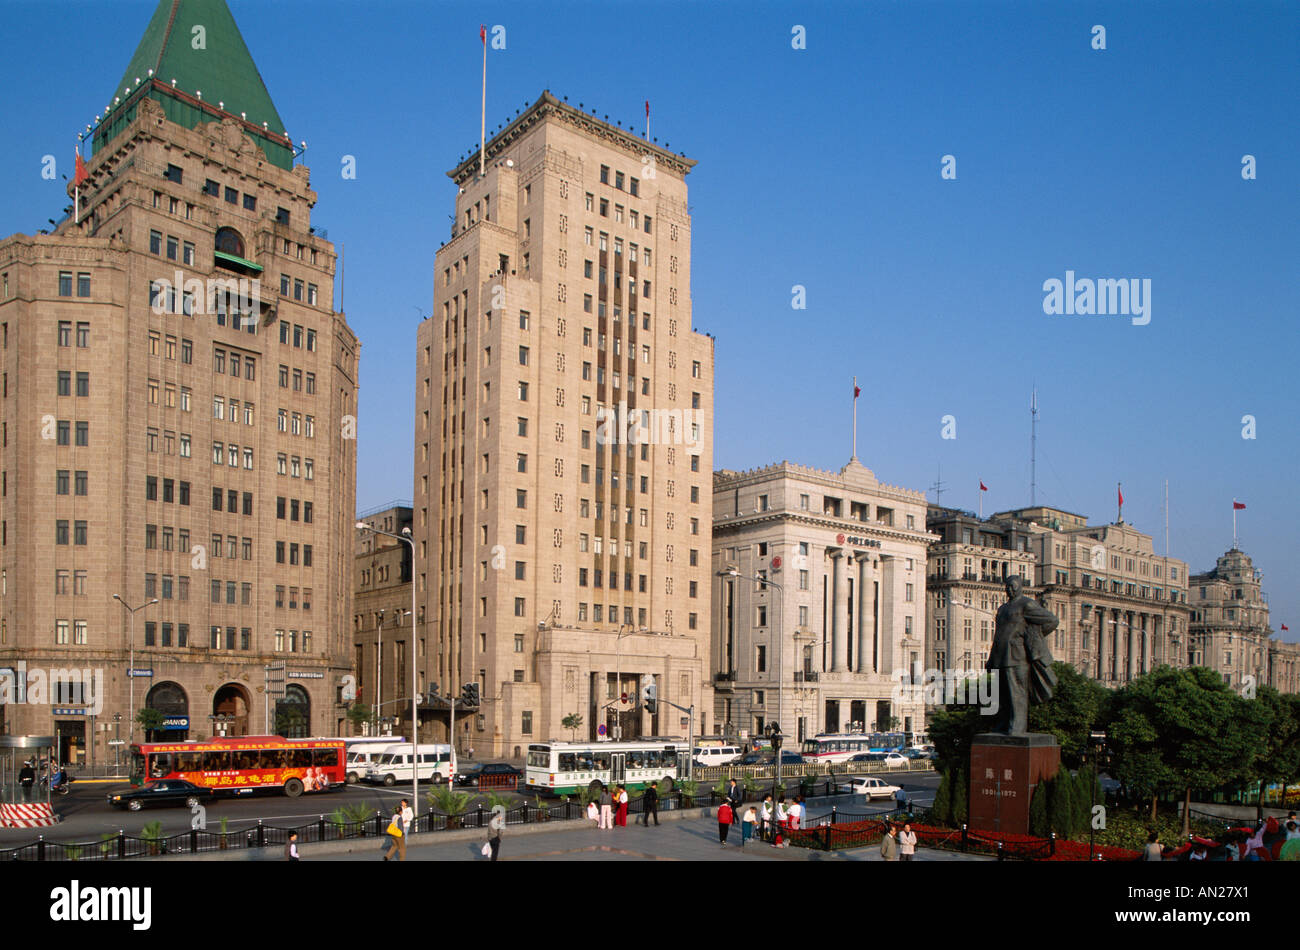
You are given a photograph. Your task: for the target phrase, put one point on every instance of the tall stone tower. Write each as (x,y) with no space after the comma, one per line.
(563,438)
(178,418)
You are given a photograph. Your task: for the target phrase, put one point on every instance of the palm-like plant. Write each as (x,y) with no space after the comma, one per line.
(450,802)
(153,834)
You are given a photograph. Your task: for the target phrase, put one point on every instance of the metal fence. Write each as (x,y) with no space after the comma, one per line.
(338,827)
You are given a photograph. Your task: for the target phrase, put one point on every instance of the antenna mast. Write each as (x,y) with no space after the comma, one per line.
(937,487)
(1033,449)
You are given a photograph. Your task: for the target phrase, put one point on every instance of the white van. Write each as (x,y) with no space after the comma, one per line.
(362,753)
(717,754)
(437,764)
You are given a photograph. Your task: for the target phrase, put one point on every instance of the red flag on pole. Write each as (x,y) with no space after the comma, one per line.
(983,487)
(1238,506)
(1285,627)
(647,108)
(482,34)
(82,175)
(1121,495)
(857,390)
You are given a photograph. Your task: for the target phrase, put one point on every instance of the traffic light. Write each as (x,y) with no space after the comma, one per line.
(432,698)
(469,695)
(649,697)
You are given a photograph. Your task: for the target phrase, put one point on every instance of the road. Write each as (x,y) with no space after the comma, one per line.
(86,814)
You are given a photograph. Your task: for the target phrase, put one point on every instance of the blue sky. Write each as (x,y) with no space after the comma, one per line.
(821,167)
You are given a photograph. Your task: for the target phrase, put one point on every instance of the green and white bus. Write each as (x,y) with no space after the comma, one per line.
(561,768)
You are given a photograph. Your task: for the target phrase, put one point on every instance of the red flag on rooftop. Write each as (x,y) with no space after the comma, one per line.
(1285,627)
(857,390)
(82,175)
(482,34)
(983,487)
(1238,506)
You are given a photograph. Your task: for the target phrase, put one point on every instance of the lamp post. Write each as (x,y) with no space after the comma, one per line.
(379,670)
(774,735)
(130,670)
(406,538)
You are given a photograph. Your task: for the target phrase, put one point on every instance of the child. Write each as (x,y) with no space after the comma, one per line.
(747,826)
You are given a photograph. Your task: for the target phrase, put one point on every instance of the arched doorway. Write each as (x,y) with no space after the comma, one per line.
(171,700)
(293,713)
(230,711)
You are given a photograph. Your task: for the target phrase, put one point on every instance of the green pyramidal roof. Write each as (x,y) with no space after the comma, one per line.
(197,44)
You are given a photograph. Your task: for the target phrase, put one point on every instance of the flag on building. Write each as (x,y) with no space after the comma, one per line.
(1238,506)
(82,175)
(482,34)
(983,487)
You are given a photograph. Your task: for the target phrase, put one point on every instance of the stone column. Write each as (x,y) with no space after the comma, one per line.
(840,662)
(866,617)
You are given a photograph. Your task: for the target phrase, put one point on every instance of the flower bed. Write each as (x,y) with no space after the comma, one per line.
(859,834)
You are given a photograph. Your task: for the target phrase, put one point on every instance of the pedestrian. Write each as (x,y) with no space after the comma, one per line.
(606,808)
(650,805)
(765,818)
(496,829)
(291,847)
(621,814)
(1154,850)
(889,844)
(906,842)
(735,796)
(796,813)
(782,822)
(396,836)
(1292,831)
(725,818)
(747,826)
(27,778)
(408,819)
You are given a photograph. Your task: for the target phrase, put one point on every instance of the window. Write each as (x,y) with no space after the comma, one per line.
(65,283)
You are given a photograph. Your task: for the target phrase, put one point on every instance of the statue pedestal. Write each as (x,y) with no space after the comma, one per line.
(1003,773)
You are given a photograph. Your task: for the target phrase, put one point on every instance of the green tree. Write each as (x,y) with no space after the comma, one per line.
(572,722)
(1074,710)
(942,807)
(951,729)
(1179,730)
(149,719)
(1279,759)
(1039,824)
(358,715)
(960,797)
(1060,803)
(1081,797)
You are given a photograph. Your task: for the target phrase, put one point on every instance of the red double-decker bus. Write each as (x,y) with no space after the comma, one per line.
(243,765)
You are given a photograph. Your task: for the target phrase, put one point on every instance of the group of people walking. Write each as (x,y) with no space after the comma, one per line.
(771,822)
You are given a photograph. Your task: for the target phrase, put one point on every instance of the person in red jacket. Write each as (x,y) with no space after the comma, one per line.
(725,815)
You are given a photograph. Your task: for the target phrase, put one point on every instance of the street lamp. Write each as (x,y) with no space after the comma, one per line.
(130,670)
(379,669)
(406,538)
(774,735)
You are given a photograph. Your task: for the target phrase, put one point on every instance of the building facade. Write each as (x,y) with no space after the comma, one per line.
(825,610)
(564,411)
(965,579)
(178,419)
(381,624)
(1123,608)
(1230,631)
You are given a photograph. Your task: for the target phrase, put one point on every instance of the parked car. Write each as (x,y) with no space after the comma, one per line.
(172,791)
(755,758)
(892,760)
(472,775)
(716,754)
(918,753)
(873,788)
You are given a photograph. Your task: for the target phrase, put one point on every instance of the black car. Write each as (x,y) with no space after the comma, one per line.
(171,791)
(500,775)
(769,758)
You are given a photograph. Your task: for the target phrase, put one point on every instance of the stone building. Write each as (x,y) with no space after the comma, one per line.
(1123,608)
(381,624)
(563,443)
(965,581)
(1230,631)
(179,399)
(837,614)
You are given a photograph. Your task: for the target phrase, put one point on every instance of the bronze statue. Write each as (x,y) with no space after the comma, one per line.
(1020,658)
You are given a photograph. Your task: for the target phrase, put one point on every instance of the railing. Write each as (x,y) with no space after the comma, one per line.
(121,846)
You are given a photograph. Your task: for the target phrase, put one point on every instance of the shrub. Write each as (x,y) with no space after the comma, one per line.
(1038,820)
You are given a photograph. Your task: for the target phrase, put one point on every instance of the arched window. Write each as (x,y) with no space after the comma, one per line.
(293,713)
(228,241)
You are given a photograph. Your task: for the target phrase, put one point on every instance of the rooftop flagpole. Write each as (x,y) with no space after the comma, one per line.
(856,393)
(482,129)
